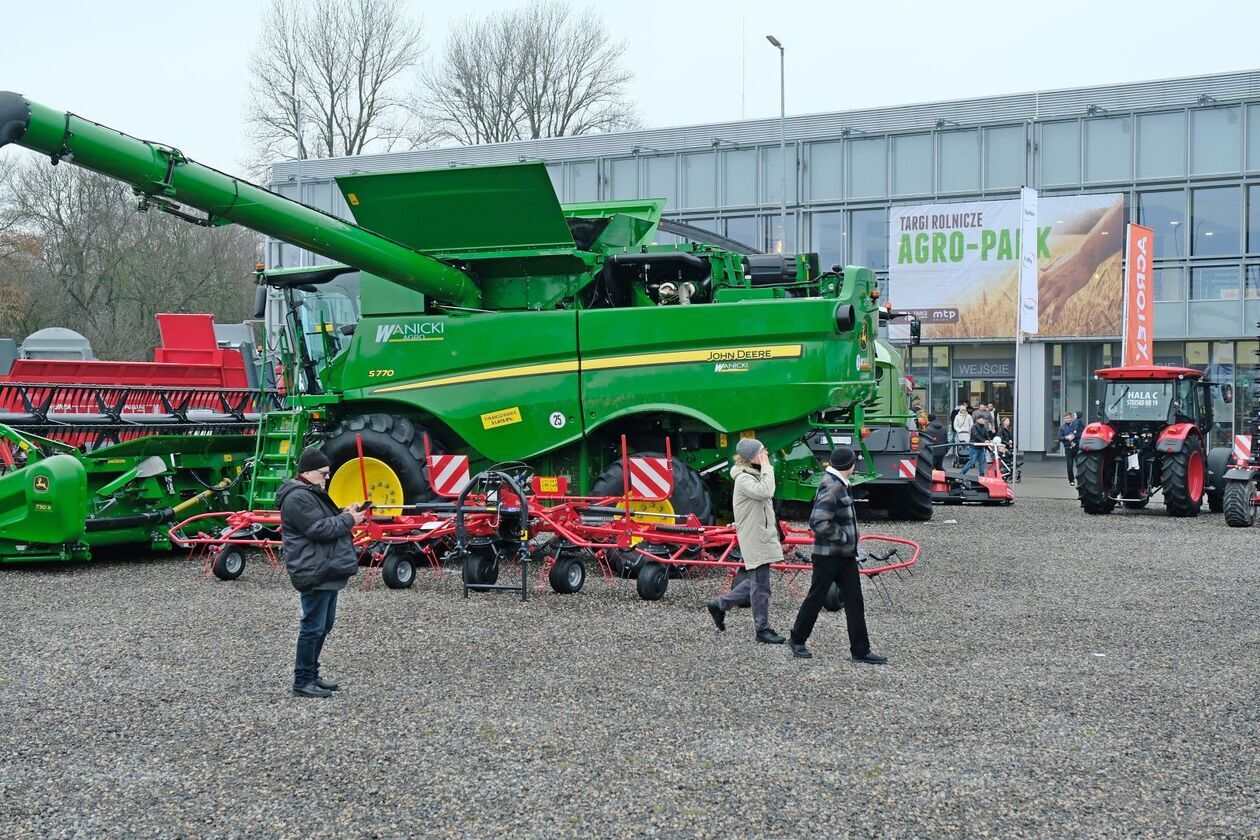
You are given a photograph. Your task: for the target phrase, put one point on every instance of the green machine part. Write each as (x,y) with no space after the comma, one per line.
(43,503)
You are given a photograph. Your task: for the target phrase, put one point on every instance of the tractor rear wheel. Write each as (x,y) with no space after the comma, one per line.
(1239,510)
(1183,475)
(393,454)
(690,495)
(1217,465)
(1093,481)
(913,500)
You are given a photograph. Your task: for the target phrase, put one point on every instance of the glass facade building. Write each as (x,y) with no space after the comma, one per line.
(1185,153)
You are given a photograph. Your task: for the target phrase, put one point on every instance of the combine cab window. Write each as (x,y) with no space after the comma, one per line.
(323,314)
(1146,401)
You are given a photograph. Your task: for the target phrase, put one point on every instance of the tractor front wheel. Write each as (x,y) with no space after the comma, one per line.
(1240,511)
(1183,475)
(1093,481)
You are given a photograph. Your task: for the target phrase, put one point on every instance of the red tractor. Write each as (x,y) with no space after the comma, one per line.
(1152,439)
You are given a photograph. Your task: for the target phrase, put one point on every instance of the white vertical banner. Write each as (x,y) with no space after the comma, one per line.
(1029,296)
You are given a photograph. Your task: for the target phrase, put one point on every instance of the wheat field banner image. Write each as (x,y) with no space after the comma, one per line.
(957,266)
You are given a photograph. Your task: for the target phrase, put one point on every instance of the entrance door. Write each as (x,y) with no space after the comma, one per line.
(977,391)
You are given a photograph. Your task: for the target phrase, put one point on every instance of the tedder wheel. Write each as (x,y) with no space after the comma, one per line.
(399,569)
(567,575)
(913,500)
(393,458)
(653,581)
(228,563)
(1183,475)
(1093,481)
(1217,466)
(690,493)
(481,565)
(1240,512)
(832,601)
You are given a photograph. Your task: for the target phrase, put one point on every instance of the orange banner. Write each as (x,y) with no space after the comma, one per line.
(1139,297)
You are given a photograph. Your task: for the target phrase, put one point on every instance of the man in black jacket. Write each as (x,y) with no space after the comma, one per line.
(1070,441)
(938,440)
(835,561)
(319,556)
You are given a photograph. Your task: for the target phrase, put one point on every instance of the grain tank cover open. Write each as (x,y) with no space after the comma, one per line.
(514,205)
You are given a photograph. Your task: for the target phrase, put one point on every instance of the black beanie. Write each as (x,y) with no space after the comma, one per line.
(312,459)
(842,457)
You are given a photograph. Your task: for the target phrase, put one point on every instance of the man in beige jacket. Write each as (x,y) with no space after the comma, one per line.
(757,529)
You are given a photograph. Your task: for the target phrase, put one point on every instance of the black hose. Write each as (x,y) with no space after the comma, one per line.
(135,520)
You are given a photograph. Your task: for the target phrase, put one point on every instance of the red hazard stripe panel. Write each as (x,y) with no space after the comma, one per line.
(1242,448)
(651,479)
(905,468)
(448,474)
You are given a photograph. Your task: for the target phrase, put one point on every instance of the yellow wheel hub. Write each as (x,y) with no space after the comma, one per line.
(649,512)
(385,488)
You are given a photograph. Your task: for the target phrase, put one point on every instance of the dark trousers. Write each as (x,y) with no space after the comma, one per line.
(842,571)
(754,589)
(1069,455)
(319,610)
(938,459)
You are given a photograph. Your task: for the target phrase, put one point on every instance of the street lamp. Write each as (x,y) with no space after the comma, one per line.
(782,146)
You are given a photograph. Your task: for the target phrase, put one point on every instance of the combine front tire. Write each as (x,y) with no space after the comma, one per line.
(913,500)
(393,456)
(1093,481)
(229,563)
(1239,510)
(1183,475)
(690,493)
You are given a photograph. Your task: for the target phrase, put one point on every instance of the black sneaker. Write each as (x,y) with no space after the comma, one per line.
(769,637)
(871,658)
(718,614)
(799,650)
(327,685)
(311,690)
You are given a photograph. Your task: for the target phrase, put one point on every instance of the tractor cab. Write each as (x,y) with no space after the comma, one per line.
(1151,398)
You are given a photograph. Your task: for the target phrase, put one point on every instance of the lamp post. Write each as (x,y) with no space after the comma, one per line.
(782,146)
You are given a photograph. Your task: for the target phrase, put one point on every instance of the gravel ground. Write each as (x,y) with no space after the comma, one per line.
(1052,674)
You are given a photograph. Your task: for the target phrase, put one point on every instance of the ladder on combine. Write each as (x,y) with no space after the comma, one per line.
(280,436)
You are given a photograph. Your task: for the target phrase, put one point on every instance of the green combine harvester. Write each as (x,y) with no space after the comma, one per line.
(470,308)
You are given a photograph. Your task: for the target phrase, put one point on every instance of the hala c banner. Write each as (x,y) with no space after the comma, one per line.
(1139,306)
(957,266)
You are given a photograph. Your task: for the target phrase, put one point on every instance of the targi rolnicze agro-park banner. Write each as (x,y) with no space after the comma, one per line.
(956,266)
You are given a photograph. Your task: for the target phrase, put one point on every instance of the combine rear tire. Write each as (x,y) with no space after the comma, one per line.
(1217,466)
(1183,475)
(391,440)
(913,500)
(1093,481)
(1239,511)
(229,563)
(653,581)
(690,493)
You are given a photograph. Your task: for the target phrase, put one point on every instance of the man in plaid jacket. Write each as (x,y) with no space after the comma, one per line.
(835,561)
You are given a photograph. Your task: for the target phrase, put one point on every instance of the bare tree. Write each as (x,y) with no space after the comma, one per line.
(85,259)
(340,64)
(540,71)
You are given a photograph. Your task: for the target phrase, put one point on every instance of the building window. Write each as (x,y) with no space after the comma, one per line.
(1215,140)
(1005,157)
(743,229)
(867,172)
(1214,283)
(556,173)
(826,237)
(739,177)
(1253,137)
(773,225)
(1216,215)
(583,181)
(1060,153)
(1246,382)
(623,175)
(1109,149)
(826,163)
(1252,282)
(772,174)
(1168,282)
(699,180)
(1253,216)
(660,180)
(1161,145)
(1165,213)
(912,164)
(868,235)
(960,161)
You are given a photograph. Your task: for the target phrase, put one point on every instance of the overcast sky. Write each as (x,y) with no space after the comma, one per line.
(177,72)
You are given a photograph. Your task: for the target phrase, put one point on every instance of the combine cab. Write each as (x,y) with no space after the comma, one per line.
(1152,439)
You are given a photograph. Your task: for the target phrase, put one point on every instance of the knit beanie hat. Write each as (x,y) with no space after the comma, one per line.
(747,448)
(842,457)
(312,459)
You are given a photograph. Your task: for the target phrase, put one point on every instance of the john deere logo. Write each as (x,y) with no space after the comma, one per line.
(863,336)
(41,484)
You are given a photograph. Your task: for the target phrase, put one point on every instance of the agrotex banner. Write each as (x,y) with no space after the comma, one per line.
(1139,307)
(957,266)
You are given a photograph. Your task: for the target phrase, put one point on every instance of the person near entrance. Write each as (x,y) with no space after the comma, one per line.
(835,561)
(1070,439)
(984,410)
(981,436)
(937,439)
(962,425)
(319,556)
(757,530)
